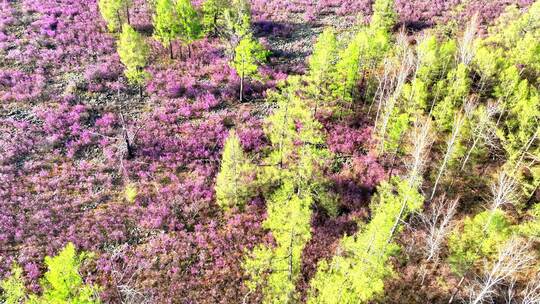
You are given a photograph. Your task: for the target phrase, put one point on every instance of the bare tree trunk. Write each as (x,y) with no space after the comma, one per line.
(242,87)
(458,122)
(171,49)
(127,14)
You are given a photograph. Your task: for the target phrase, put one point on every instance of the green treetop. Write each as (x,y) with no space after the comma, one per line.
(113,12)
(323,60)
(232,185)
(13,290)
(276,269)
(479,237)
(190,24)
(357,273)
(248,55)
(133,52)
(213,11)
(166,23)
(61,284)
(384,15)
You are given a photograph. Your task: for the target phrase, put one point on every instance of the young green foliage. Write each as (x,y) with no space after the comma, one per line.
(384,15)
(479,237)
(212,11)
(12,288)
(277,269)
(322,61)
(62,282)
(356,274)
(248,55)
(190,23)
(363,53)
(112,12)
(232,184)
(295,182)
(166,23)
(133,52)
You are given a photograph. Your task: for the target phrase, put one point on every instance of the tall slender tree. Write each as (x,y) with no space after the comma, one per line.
(232,184)
(248,55)
(115,13)
(166,24)
(190,23)
(133,52)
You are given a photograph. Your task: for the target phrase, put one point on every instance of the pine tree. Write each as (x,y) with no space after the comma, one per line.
(190,24)
(62,282)
(133,52)
(12,287)
(232,185)
(112,12)
(166,24)
(248,54)
(289,217)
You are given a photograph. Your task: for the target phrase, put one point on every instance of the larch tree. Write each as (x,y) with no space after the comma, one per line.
(12,287)
(133,52)
(62,283)
(322,62)
(166,24)
(213,11)
(232,182)
(115,13)
(356,273)
(295,184)
(190,23)
(249,54)
(384,15)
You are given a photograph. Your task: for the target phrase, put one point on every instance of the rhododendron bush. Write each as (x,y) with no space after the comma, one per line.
(124,172)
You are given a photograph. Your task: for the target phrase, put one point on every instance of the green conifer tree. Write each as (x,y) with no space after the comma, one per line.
(12,287)
(384,15)
(232,185)
(133,52)
(479,237)
(62,282)
(166,24)
(213,11)
(293,178)
(190,23)
(114,12)
(248,55)
(322,62)
(356,274)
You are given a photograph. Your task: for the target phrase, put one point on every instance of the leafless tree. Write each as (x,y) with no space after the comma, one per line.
(484,131)
(422,138)
(466,45)
(437,220)
(512,259)
(391,88)
(531,293)
(503,190)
